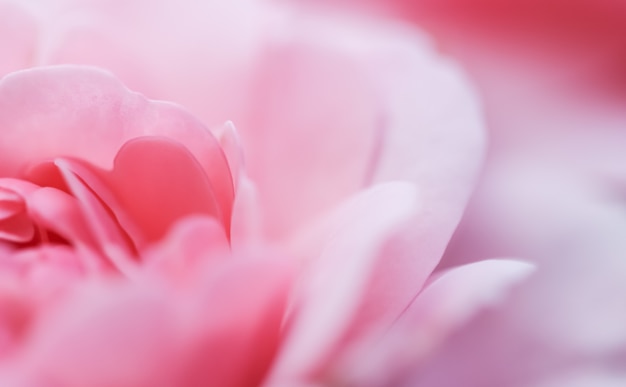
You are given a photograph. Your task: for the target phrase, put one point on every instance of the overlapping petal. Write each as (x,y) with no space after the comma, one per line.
(87,114)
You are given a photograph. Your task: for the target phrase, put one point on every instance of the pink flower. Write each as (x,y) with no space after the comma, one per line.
(146,247)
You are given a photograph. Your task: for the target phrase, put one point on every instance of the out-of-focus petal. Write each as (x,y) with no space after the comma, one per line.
(147,45)
(146,333)
(339,279)
(569,314)
(311,129)
(15,315)
(433,136)
(588,376)
(192,242)
(238,314)
(453,296)
(230,141)
(107,338)
(47,271)
(18,37)
(247,220)
(445,304)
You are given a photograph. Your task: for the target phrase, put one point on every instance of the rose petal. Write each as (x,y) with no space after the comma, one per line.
(107,337)
(107,232)
(250,295)
(454,295)
(15,315)
(340,278)
(157,181)
(18,228)
(310,131)
(191,243)
(18,37)
(49,270)
(445,304)
(152,40)
(10,203)
(48,111)
(247,222)
(231,145)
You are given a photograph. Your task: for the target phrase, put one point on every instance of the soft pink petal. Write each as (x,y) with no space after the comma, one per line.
(247,220)
(237,345)
(311,128)
(85,113)
(434,138)
(445,304)
(454,295)
(107,337)
(339,280)
(18,37)
(151,41)
(221,328)
(48,270)
(191,243)
(230,142)
(15,314)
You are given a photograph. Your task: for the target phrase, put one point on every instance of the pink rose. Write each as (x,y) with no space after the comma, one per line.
(144,247)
